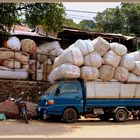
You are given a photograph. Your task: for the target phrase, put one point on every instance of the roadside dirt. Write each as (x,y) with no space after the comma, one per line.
(84,128)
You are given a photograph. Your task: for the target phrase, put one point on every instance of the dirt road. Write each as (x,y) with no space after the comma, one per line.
(83,129)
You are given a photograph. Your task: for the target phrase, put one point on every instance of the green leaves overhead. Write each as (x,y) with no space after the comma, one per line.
(49,15)
(124,19)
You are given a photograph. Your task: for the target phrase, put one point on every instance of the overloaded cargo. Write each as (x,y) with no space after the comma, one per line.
(106,86)
(111,60)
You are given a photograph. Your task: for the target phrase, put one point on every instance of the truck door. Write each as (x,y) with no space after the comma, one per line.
(70,95)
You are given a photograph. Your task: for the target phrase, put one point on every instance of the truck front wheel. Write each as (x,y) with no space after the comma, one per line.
(70,115)
(120,115)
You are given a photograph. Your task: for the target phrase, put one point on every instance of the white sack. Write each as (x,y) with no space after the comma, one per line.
(132,78)
(101,45)
(117,48)
(53,48)
(106,72)
(11,63)
(67,71)
(89,73)
(136,69)
(93,59)
(13,43)
(110,58)
(85,46)
(136,55)
(49,46)
(138,79)
(128,62)
(121,74)
(73,56)
(16,74)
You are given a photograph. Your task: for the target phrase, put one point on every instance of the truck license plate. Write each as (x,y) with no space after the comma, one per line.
(98,111)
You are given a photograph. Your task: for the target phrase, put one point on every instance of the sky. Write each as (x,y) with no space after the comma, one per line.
(87,6)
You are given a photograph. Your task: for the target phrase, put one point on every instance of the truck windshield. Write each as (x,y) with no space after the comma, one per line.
(52,89)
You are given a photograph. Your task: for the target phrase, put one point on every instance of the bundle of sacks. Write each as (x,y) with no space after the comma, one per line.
(97,59)
(41,62)
(52,48)
(15,55)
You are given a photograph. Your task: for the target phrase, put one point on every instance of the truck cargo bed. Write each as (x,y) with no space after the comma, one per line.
(111,90)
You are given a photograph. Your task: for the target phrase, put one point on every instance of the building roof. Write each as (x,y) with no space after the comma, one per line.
(24,31)
(108,35)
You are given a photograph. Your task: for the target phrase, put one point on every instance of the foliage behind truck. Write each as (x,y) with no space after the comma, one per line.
(68,100)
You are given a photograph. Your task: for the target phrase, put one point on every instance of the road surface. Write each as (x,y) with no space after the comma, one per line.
(91,128)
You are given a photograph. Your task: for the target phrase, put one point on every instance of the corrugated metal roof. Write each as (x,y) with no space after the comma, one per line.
(99,33)
(17,32)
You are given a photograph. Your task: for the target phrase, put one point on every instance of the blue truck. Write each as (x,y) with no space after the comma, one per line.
(68,100)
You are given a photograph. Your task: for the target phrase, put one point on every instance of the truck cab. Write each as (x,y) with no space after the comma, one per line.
(64,99)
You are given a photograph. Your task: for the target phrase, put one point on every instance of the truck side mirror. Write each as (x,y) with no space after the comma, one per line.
(57,91)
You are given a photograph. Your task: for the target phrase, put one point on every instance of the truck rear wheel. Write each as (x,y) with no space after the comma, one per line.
(120,115)
(70,115)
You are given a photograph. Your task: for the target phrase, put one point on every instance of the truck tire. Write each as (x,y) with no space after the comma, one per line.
(70,115)
(104,117)
(120,115)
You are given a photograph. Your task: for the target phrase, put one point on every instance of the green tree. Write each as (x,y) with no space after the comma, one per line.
(87,24)
(111,20)
(132,16)
(50,15)
(125,19)
(70,23)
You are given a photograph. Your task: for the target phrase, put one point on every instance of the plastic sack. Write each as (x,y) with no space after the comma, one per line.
(101,45)
(11,63)
(93,59)
(106,72)
(136,55)
(67,71)
(89,73)
(23,58)
(28,46)
(136,69)
(85,46)
(13,43)
(121,74)
(132,78)
(128,62)
(110,58)
(73,56)
(118,49)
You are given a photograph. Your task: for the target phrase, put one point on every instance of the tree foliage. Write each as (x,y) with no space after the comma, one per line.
(49,15)
(70,23)
(125,19)
(87,24)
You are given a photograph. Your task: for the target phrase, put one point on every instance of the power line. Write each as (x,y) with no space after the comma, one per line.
(82,11)
(80,16)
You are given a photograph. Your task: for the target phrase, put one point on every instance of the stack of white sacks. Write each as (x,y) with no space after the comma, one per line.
(97,59)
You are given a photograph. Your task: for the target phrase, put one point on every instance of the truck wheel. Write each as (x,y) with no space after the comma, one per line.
(70,115)
(120,115)
(104,117)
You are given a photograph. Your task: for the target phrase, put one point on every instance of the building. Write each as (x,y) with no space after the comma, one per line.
(70,35)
